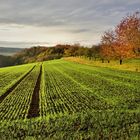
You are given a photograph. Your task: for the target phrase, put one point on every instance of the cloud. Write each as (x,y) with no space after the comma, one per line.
(23,44)
(85,17)
(59,12)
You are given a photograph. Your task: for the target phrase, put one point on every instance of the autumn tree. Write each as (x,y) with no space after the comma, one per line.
(129,30)
(128,37)
(124,41)
(107,45)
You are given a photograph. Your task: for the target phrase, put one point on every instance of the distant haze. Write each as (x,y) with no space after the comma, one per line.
(9,51)
(23,44)
(25,23)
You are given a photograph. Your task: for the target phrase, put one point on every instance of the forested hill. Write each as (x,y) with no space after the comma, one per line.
(6,61)
(41,53)
(6,56)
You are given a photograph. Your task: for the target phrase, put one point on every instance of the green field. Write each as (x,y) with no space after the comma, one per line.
(128,64)
(59,99)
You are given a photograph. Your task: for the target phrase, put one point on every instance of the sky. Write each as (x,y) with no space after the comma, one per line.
(26,23)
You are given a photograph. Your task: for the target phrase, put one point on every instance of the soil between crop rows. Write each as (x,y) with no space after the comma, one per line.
(34,106)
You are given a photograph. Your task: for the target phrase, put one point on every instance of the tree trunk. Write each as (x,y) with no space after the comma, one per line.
(102,60)
(120,61)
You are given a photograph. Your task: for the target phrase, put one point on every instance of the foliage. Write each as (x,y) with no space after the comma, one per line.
(90,125)
(124,41)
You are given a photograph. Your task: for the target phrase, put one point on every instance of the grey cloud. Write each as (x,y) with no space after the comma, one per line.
(59,12)
(79,30)
(71,16)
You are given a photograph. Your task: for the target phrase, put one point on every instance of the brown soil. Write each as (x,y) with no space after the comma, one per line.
(34,106)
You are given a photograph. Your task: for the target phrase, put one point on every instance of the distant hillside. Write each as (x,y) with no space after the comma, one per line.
(9,51)
(41,53)
(6,61)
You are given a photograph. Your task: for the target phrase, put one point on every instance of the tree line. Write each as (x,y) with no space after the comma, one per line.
(119,44)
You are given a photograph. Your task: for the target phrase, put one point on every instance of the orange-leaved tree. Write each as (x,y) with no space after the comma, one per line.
(107,42)
(124,41)
(128,37)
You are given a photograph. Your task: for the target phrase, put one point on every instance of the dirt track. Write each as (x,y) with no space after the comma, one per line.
(34,106)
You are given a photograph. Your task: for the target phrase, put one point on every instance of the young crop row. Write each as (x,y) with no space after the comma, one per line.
(123,77)
(9,76)
(103,125)
(4,72)
(126,96)
(67,88)
(60,94)
(110,71)
(16,105)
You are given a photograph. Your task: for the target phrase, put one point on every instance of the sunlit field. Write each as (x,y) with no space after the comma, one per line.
(60,99)
(128,64)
